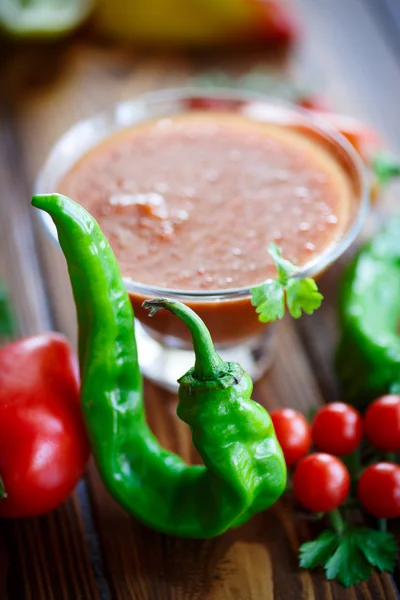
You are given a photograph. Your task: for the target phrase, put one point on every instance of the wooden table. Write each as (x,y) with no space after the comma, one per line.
(89,548)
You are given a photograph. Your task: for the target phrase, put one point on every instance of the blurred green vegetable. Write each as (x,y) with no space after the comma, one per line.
(368,354)
(42,18)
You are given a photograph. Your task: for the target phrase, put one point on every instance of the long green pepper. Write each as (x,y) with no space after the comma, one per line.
(244,470)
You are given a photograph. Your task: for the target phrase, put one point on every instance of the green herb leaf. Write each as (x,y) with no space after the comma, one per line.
(301,295)
(269,300)
(386,167)
(316,553)
(350,556)
(379,548)
(348,563)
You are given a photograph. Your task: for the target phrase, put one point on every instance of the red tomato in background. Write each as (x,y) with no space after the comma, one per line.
(379,490)
(337,429)
(321,482)
(361,136)
(293,433)
(382,423)
(43,443)
(275,22)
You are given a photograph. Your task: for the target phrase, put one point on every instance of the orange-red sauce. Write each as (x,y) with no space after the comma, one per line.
(192,202)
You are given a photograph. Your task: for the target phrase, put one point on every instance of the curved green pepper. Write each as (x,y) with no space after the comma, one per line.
(368,354)
(244,469)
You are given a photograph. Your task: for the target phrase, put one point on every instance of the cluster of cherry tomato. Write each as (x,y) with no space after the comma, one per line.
(321,481)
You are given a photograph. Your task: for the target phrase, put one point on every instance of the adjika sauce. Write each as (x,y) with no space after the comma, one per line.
(192,202)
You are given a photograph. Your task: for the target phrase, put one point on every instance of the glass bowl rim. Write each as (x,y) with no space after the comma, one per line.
(179,94)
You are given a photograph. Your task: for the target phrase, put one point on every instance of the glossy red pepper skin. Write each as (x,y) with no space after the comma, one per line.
(43,443)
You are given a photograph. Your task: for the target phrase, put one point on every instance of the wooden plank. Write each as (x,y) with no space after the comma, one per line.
(259,559)
(47,557)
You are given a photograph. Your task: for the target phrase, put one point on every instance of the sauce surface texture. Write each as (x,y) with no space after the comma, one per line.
(192,202)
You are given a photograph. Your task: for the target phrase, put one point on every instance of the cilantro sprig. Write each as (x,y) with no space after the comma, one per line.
(287,290)
(351,554)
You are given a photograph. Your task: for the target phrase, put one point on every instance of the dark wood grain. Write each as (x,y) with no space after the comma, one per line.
(45,558)
(108,554)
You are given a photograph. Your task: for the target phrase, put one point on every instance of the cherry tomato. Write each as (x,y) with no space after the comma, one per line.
(274,22)
(293,433)
(43,443)
(382,423)
(321,482)
(379,490)
(337,429)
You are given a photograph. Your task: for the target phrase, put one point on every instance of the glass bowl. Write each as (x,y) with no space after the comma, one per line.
(163,341)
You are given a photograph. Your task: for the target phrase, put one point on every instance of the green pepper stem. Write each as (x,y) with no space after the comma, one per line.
(382,524)
(208,364)
(337,521)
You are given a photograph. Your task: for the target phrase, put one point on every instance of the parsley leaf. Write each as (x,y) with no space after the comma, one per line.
(378,547)
(301,295)
(350,556)
(386,167)
(316,553)
(348,563)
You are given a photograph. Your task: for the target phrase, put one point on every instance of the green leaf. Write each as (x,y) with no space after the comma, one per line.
(269,299)
(385,167)
(348,564)
(350,556)
(379,548)
(316,553)
(302,296)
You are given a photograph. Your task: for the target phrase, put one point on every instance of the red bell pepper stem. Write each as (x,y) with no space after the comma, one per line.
(3,493)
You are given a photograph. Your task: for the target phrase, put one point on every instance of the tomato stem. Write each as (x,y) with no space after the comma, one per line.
(353,463)
(390,457)
(3,493)
(337,521)
(382,524)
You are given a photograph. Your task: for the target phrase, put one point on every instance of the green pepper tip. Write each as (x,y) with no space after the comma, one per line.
(153,306)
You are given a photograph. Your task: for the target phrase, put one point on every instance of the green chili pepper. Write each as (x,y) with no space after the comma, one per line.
(368,354)
(244,469)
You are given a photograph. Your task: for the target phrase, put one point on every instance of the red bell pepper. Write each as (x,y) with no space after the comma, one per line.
(44,448)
